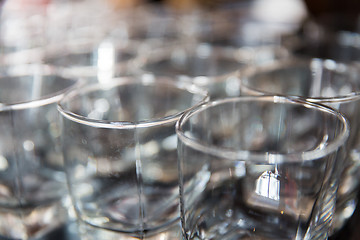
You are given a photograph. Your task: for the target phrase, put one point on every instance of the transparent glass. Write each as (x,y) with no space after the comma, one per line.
(29,24)
(206,65)
(119,144)
(244,26)
(317,41)
(242,23)
(259,168)
(94,60)
(156,28)
(33,191)
(320,81)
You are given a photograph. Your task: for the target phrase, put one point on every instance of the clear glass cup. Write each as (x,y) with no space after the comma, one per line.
(94,60)
(259,167)
(91,59)
(119,145)
(158,29)
(319,42)
(76,20)
(244,24)
(322,81)
(33,194)
(211,67)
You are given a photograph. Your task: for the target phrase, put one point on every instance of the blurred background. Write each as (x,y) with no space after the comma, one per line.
(26,24)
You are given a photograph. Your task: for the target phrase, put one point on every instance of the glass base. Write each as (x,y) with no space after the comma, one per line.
(90,232)
(66,232)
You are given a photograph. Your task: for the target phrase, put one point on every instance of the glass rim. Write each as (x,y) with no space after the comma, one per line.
(294,61)
(46,70)
(129,80)
(265,157)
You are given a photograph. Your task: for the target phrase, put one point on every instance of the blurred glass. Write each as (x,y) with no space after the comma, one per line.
(29,25)
(92,60)
(246,23)
(151,25)
(314,40)
(21,27)
(208,66)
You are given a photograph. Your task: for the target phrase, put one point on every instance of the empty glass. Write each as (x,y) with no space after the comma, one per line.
(244,26)
(259,167)
(320,81)
(94,60)
(317,41)
(205,65)
(33,193)
(156,27)
(119,144)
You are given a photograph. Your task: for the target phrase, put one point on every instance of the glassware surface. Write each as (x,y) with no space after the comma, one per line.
(156,27)
(29,24)
(119,144)
(94,60)
(316,41)
(322,81)
(206,65)
(32,181)
(259,168)
(243,23)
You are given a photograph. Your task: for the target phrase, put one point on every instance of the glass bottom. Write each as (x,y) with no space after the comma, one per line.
(64,232)
(31,222)
(90,232)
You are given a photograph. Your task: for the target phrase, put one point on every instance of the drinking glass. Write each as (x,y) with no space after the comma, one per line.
(208,66)
(29,24)
(33,192)
(22,32)
(244,24)
(156,29)
(319,42)
(324,81)
(259,167)
(99,60)
(119,145)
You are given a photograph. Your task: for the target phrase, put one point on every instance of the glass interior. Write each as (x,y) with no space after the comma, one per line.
(263,126)
(89,56)
(343,46)
(267,162)
(132,101)
(314,78)
(31,87)
(194,61)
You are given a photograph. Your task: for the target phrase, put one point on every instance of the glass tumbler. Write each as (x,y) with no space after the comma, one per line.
(119,144)
(259,167)
(324,81)
(157,27)
(33,192)
(211,67)
(316,41)
(245,25)
(95,60)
